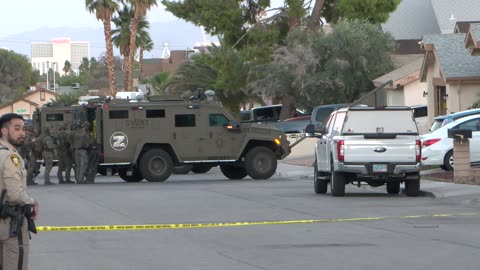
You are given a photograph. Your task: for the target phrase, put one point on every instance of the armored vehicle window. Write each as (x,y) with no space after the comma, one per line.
(155,113)
(54,117)
(215,120)
(123,114)
(185,120)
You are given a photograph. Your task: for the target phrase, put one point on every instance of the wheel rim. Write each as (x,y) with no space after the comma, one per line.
(262,163)
(450,161)
(157,166)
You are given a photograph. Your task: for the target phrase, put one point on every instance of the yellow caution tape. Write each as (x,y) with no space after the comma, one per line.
(228,224)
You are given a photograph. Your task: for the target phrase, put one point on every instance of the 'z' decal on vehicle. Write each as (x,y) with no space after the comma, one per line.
(118,141)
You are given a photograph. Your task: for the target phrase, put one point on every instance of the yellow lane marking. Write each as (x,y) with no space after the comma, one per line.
(230,224)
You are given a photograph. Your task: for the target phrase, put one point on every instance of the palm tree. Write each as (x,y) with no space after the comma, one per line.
(140,8)
(104,10)
(67,67)
(145,44)
(121,35)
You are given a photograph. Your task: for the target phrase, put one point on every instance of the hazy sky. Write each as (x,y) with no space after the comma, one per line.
(26,15)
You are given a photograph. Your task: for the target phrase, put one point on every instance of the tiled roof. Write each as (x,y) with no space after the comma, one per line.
(411,20)
(414,18)
(401,75)
(475,30)
(455,60)
(462,10)
(17,100)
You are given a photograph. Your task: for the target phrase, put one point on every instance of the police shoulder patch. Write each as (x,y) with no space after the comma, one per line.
(16,160)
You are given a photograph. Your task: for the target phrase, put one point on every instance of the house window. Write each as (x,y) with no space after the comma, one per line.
(185,120)
(42,95)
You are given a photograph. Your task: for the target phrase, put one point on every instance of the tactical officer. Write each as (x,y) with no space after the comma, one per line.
(93,153)
(30,154)
(81,142)
(14,236)
(49,146)
(65,158)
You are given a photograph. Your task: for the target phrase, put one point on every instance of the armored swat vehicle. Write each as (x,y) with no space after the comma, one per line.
(151,139)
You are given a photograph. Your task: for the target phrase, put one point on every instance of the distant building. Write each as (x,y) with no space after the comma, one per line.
(53,54)
(26,105)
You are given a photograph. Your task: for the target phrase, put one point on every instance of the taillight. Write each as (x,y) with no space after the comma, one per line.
(418,150)
(429,142)
(340,150)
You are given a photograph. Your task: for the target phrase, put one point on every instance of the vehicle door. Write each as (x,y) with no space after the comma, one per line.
(322,147)
(474,126)
(117,145)
(221,143)
(187,134)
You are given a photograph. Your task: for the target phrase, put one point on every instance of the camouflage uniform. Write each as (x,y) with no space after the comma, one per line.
(48,146)
(30,155)
(65,157)
(81,142)
(93,153)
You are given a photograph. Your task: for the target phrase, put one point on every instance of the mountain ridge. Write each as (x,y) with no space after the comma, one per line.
(179,35)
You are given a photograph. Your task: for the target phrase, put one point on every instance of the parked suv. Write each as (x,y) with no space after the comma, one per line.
(363,144)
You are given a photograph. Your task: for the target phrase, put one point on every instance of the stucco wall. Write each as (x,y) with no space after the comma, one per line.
(413,93)
(36,98)
(21,107)
(394,97)
(462,96)
(433,71)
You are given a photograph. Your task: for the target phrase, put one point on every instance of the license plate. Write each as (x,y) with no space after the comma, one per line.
(379,167)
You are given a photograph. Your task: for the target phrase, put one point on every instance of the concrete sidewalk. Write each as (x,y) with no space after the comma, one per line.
(435,182)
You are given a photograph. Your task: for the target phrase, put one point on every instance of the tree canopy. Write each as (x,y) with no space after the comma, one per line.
(15,75)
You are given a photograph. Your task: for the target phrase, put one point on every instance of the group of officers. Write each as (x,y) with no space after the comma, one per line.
(73,146)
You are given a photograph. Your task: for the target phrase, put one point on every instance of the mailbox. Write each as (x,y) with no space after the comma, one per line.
(460,134)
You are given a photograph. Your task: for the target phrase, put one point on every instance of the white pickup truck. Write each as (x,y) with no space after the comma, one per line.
(363,144)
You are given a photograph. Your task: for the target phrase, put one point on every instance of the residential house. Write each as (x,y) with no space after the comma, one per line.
(413,20)
(26,105)
(153,66)
(451,72)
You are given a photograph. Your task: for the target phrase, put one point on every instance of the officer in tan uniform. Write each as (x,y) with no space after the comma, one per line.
(14,240)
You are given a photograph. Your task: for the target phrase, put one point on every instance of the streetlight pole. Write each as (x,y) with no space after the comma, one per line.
(48,69)
(53,69)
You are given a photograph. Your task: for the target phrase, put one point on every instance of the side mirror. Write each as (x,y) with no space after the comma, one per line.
(310,131)
(233,126)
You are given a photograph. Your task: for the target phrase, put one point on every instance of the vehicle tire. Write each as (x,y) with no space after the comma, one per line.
(135,177)
(156,165)
(338,184)
(393,187)
(233,172)
(182,169)
(260,162)
(201,168)
(102,170)
(412,188)
(448,161)
(320,186)
(443,167)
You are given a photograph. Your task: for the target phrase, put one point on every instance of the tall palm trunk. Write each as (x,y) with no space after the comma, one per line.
(133,48)
(314,23)
(125,70)
(107,29)
(140,75)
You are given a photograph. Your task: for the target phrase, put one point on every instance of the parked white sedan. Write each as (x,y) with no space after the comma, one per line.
(437,148)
